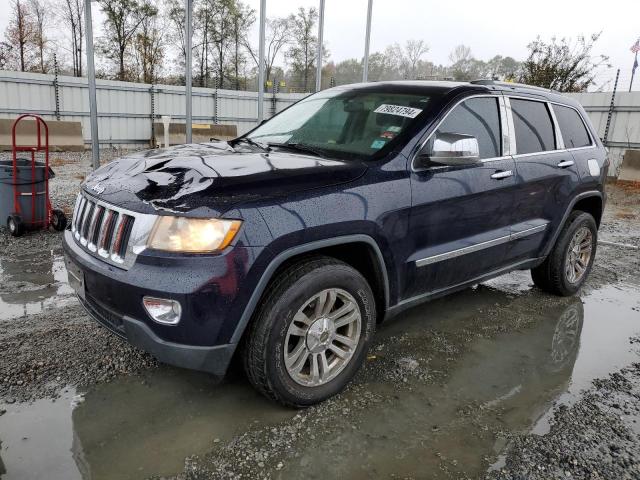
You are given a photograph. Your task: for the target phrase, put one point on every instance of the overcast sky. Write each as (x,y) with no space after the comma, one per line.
(489,28)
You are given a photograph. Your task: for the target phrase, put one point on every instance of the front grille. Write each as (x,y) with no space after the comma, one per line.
(103,230)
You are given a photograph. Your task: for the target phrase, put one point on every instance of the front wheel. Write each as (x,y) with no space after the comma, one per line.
(570,261)
(311,333)
(15,225)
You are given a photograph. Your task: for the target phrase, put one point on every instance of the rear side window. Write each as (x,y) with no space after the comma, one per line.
(574,132)
(533,126)
(479,117)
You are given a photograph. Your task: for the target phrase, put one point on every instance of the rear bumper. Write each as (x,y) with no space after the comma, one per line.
(213,360)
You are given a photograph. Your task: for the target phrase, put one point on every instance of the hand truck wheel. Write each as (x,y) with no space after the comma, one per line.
(15,225)
(58,220)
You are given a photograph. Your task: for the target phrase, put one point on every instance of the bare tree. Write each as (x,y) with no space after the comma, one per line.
(20,31)
(277,36)
(414,50)
(39,11)
(71,12)
(243,18)
(562,65)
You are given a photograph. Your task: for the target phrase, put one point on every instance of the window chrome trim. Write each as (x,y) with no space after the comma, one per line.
(421,145)
(555,123)
(513,146)
(480,246)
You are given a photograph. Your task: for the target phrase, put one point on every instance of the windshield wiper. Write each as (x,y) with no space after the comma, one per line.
(253,143)
(300,147)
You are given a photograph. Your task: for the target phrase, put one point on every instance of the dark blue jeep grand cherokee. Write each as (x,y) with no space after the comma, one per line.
(293,241)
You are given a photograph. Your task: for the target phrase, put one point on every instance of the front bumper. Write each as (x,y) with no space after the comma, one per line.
(213,360)
(209,289)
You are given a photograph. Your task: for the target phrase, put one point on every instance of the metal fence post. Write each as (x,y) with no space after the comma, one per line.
(215,102)
(91,73)
(261,66)
(274,91)
(152,141)
(611,107)
(367,38)
(187,74)
(56,86)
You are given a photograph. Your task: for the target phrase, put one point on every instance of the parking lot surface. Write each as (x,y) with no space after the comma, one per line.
(497,381)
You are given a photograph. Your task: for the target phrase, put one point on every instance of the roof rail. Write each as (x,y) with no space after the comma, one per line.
(509,84)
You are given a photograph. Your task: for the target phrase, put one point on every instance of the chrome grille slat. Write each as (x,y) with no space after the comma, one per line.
(108,232)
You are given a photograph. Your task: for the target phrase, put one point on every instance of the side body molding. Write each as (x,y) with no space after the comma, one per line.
(300,249)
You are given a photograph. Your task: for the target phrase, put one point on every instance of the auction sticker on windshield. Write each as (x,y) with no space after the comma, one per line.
(399,110)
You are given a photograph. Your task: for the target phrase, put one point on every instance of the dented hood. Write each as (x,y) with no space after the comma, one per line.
(210,179)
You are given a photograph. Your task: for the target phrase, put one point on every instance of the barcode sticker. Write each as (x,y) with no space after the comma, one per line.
(398,110)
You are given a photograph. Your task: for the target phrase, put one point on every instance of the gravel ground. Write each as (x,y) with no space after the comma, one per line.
(591,438)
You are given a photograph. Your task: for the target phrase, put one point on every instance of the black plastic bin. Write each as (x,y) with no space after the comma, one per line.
(25,188)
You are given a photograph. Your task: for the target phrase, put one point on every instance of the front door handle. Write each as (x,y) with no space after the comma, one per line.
(502,174)
(565,163)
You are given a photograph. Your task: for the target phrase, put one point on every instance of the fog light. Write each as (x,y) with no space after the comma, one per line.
(162,310)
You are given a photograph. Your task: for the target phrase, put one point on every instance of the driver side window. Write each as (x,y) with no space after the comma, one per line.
(480,118)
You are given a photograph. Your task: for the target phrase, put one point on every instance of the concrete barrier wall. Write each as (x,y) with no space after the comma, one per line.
(126,110)
(63,135)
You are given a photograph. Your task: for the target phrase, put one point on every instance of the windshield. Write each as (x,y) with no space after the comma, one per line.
(343,123)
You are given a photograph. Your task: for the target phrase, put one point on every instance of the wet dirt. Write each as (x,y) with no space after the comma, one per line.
(499,380)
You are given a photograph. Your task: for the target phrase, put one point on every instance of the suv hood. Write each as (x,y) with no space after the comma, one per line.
(210,179)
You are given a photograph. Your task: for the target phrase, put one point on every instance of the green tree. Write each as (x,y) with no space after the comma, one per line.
(562,65)
(123,19)
(302,53)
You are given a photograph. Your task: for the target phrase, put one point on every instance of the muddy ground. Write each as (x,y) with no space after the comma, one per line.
(498,381)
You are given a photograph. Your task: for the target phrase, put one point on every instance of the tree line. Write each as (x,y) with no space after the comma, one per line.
(144,41)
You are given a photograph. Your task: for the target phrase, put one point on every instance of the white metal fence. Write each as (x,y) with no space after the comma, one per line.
(126,110)
(624,130)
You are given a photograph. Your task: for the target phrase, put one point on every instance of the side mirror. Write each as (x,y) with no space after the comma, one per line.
(451,149)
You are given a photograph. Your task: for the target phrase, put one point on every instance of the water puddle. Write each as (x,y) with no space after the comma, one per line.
(30,284)
(449,428)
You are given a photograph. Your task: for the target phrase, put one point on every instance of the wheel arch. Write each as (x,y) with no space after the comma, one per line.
(368,261)
(582,202)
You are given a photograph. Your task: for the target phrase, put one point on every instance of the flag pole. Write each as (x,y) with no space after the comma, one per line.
(633,71)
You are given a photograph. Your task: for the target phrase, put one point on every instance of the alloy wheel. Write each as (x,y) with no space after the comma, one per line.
(322,337)
(578,254)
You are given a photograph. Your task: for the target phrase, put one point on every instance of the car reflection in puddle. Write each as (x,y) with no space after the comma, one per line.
(142,426)
(29,285)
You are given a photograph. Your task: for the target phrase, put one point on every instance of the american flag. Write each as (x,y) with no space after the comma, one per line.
(636,46)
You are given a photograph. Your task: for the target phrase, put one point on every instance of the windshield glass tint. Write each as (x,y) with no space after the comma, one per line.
(345,123)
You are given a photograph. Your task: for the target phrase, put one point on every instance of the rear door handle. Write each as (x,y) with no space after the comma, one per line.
(502,174)
(565,164)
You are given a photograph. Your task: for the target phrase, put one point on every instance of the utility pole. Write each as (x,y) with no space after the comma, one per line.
(319,54)
(263,9)
(365,65)
(91,77)
(188,26)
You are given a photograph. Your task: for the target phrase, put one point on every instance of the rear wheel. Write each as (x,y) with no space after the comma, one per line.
(15,225)
(311,333)
(58,220)
(570,261)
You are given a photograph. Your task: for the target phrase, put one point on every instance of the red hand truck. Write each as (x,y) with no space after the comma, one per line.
(34,217)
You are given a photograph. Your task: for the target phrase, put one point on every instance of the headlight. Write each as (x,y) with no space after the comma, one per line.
(192,235)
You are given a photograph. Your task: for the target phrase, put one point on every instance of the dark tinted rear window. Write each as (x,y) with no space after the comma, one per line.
(480,118)
(574,132)
(534,129)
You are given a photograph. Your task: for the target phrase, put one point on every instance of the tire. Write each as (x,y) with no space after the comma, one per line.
(554,275)
(58,220)
(273,334)
(15,225)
